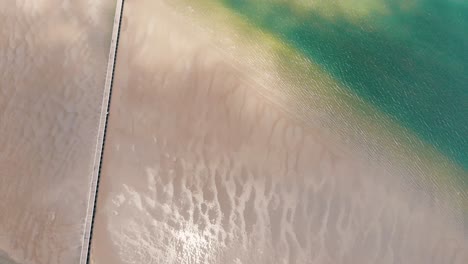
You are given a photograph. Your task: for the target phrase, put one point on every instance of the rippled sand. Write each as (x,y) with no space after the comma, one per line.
(53,57)
(200,167)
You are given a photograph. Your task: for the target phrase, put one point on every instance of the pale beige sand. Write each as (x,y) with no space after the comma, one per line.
(53,58)
(199,167)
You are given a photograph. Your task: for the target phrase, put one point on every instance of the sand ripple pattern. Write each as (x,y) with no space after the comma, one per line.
(200,168)
(53,56)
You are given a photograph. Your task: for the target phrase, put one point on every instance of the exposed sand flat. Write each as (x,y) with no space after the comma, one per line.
(200,167)
(53,57)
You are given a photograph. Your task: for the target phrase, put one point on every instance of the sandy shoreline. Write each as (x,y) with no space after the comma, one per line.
(200,167)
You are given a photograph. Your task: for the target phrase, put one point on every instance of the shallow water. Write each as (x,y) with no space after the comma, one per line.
(201,167)
(53,57)
(408,58)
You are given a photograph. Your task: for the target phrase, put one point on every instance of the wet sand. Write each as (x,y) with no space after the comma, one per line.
(201,166)
(53,58)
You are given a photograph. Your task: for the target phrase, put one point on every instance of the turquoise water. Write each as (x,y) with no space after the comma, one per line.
(410,62)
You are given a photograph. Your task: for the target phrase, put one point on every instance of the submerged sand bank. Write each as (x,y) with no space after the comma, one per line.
(202,165)
(53,57)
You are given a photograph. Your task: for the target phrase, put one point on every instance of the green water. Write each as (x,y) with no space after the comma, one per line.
(410,62)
